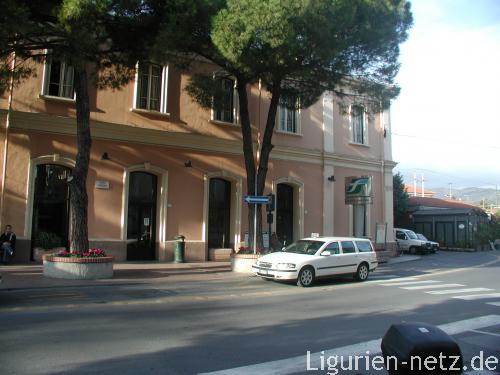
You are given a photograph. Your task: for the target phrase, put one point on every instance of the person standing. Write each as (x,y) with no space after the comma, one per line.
(7,243)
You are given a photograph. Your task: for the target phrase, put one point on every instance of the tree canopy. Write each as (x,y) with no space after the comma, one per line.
(101,39)
(297,49)
(400,198)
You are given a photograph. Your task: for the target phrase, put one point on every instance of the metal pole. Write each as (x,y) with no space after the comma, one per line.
(256,174)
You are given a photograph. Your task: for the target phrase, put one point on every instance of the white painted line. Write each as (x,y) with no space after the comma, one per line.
(396,279)
(439,286)
(298,364)
(473,297)
(382,277)
(458,291)
(493,303)
(485,333)
(412,283)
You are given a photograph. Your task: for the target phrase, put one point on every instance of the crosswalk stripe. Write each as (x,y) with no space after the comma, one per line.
(458,291)
(412,283)
(382,277)
(472,297)
(395,279)
(298,364)
(439,286)
(493,303)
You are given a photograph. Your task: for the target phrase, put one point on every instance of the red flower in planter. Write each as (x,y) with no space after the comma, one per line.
(248,250)
(91,253)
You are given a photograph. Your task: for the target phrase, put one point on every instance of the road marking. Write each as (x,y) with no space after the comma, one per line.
(493,303)
(439,286)
(298,364)
(412,283)
(395,279)
(485,333)
(472,297)
(383,277)
(458,291)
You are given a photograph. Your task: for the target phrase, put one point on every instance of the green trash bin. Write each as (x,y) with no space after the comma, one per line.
(180,246)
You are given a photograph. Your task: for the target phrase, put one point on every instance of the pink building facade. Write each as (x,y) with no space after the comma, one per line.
(141,194)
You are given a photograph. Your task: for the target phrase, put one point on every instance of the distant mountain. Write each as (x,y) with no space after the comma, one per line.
(472,195)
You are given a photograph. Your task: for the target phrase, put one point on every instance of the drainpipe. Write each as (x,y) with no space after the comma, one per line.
(6,142)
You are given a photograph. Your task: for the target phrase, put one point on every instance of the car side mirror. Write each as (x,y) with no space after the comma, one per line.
(326,253)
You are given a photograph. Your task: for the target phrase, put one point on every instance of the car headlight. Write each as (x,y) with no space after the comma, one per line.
(285,266)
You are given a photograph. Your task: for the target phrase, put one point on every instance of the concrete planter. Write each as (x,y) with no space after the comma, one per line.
(77,268)
(242,263)
(39,253)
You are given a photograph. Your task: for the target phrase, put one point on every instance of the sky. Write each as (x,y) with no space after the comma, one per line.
(446,121)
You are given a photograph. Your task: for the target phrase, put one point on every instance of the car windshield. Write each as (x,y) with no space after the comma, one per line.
(411,235)
(308,247)
(421,237)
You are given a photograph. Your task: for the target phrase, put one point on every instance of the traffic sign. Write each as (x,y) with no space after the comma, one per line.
(256,199)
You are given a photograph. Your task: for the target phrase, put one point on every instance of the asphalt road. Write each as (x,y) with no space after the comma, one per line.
(243,324)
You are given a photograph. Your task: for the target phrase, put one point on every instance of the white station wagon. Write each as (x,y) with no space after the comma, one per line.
(311,258)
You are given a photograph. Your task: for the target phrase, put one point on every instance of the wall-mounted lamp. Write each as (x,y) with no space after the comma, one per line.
(105,156)
(189,164)
(331,178)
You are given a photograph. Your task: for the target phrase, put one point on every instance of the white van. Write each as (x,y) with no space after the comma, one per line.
(408,241)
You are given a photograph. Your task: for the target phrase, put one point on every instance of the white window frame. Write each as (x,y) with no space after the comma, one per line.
(46,79)
(236,104)
(353,128)
(163,89)
(287,111)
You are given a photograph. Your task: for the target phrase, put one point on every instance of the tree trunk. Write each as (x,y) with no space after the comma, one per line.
(78,186)
(267,146)
(248,154)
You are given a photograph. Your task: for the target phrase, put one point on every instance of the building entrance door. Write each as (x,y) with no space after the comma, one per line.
(444,234)
(141,220)
(284,213)
(219,214)
(51,204)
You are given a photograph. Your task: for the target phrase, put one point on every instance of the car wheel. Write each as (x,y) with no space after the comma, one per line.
(306,277)
(362,272)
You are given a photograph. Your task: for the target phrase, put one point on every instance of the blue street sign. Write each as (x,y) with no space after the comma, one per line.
(256,199)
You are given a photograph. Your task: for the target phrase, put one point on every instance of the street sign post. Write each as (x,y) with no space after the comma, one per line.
(256,199)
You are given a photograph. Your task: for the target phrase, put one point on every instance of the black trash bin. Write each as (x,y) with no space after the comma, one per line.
(420,348)
(180,246)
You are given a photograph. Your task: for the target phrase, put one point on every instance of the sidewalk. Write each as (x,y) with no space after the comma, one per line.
(31,276)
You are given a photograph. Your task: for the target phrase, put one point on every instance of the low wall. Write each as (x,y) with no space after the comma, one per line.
(242,263)
(77,268)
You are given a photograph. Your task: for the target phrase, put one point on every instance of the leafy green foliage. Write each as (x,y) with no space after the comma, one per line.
(109,34)
(400,197)
(47,240)
(487,232)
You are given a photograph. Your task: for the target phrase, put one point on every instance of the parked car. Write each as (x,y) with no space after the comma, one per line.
(434,245)
(310,258)
(407,240)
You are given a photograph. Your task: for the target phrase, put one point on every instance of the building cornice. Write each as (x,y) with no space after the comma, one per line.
(50,124)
